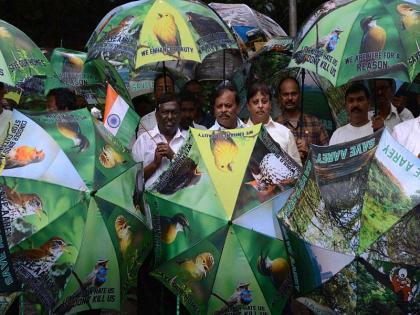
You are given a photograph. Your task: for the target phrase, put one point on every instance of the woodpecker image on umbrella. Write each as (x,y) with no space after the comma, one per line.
(376,39)
(352,224)
(75,236)
(216,245)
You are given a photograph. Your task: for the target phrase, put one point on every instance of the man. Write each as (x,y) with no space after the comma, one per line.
(407,134)
(226,108)
(188,111)
(311,131)
(163,84)
(259,107)
(5,115)
(195,89)
(158,146)
(357,107)
(61,99)
(388,115)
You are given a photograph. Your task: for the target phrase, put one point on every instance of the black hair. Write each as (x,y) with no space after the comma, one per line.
(357,87)
(256,87)
(391,83)
(65,99)
(160,76)
(165,98)
(288,78)
(193,81)
(221,88)
(186,96)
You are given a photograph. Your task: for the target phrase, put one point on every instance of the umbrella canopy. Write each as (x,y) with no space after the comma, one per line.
(213,222)
(68,208)
(252,28)
(350,196)
(20,58)
(376,39)
(142,32)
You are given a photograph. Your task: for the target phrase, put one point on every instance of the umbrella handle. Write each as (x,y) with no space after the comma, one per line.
(301,103)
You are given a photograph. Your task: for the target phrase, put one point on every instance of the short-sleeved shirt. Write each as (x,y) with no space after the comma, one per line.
(313,130)
(144,150)
(407,133)
(283,136)
(348,133)
(394,118)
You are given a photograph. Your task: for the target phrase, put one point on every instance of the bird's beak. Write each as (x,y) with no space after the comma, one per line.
(229,167)
(376,17)
(160,15)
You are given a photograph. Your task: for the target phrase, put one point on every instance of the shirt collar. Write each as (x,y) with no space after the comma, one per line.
(270,122)
(239,124)
(393,111)
(155,132)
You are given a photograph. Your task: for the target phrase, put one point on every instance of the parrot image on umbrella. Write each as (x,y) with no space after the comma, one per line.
(374,36)
(224,150)
(69,128)
(277,269)
(95,279)
(22,156)
(169,227)
(109,157)
(167,33)
(195,269)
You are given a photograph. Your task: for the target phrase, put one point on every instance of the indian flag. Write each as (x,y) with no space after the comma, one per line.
(119,118)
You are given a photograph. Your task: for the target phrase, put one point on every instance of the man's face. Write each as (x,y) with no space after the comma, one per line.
(160,87)
(226,110)
(188,112)
(168,117)
(259,107)
(289,95)
(384,93)
(51,105)
(357,106)
(196,89)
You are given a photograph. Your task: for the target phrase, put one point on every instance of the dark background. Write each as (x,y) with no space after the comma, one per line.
(69,23)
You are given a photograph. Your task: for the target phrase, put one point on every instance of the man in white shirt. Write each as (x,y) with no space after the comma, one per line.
(163,84)
(407,133)
(157,147)
(226,108)
(357,106)
(259,107)
(5,115)
(388,115)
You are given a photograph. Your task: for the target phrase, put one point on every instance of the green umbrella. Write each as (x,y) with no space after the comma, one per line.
(215,238)
(142,32)
(375,39)
(68,208)
(341,226)
(20,58)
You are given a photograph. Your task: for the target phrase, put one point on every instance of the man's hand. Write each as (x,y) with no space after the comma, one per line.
(302,147)
(163,149)
(378,122)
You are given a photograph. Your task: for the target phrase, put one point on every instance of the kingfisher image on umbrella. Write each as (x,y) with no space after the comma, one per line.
(213,227)
(20,58)
(377,39)
(75,236)
(340,226)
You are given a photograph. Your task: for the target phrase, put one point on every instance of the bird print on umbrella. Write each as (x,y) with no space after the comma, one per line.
(170,226)
(38,262)
(95,279)
(241,296)
(204,25)
(124,233)
(410,20)
(374,36)
(277,269)
(195,269)
(68,126)
(330,41)
(109,157)
(23,155)
(224,151)
(18,205)
(167,33)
